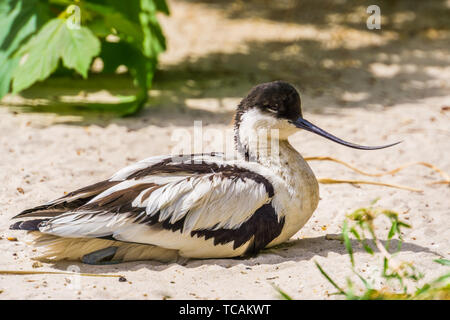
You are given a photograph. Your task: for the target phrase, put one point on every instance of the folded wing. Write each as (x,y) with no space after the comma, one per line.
(207,198)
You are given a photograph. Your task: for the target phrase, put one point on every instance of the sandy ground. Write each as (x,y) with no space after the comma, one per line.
(370,87)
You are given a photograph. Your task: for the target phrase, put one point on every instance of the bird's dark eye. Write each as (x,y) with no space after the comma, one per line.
(272,109)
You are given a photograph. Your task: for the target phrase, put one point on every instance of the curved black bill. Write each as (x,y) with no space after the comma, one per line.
(305,124)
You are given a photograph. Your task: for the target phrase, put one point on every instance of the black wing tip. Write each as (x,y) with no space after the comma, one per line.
(23,213)
(30,225)
(26,212)
(43,211)
(15,226)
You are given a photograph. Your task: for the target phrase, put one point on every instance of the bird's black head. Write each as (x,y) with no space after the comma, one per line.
(276,105)
(277,98)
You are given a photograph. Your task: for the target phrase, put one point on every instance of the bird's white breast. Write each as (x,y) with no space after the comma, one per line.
(296,192)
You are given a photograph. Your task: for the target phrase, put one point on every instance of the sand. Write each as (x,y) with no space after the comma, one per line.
(369,87)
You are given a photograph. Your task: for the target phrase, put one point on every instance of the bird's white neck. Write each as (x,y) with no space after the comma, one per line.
(271,149)
(261,138)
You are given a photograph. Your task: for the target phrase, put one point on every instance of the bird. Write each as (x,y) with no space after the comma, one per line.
(193,206)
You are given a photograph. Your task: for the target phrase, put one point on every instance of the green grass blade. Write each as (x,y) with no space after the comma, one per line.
(347,242)
(283,294)
(329,279)
(444,262)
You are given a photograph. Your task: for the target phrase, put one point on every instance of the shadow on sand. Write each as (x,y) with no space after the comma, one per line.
(294,250)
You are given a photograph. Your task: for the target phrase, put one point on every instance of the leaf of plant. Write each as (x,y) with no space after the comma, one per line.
(385,267)
(444,262)
(154,40)
(18,20)
(161,5)
(140,67)
(361,240)
(367,248)
(133,24)
(55,41)
(329,279)
(155,5)
(355,233)
(127,29)
(347,242)
(393,230)
(364,281)
(114,17)
(402,224)
(81,46)
(283,294)
(441,278)
(6,69)
(130,9)
(423,289)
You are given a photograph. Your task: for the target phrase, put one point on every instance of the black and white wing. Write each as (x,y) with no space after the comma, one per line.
(199,205)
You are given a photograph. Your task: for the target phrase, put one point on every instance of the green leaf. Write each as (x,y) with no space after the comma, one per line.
(441,278)
(329,279)
(444,262)
(154,40)
(374,201)
(133,24)
(155,5)
(129,30)
(385,267)
(347,242)
(140,67)
(81,46)
(364,281)
(283,294)
(355,233)
(55,41)
(361,240)
(122,53)
(423,289)
(393,230)
(114,17)
(367,248)
(18,20)
(6,69)
(402,224)
(161,5)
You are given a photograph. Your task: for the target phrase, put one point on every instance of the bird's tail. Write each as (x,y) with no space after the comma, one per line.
(30,225)
(69,202)
(73,249)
